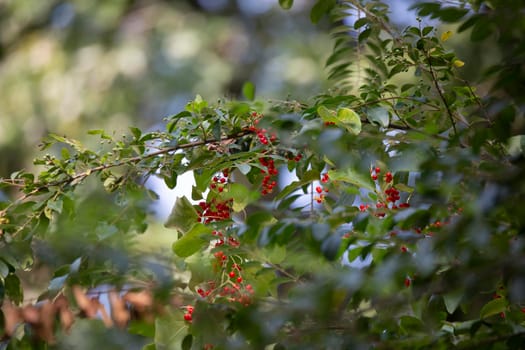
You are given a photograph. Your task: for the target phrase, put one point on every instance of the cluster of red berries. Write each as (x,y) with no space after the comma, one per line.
(232,286)
(231,241)
(391,193)
(189,312)
(219,181)
(214,210)
(321,190)
(262,134)
(268,184)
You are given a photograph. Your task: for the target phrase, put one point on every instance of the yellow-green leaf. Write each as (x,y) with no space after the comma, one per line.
(446,35)
(458,63)
(350,120)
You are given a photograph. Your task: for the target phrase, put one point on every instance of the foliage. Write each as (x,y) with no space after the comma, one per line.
(400,230)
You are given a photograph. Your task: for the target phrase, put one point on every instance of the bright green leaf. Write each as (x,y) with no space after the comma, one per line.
(248,90)
(350,120)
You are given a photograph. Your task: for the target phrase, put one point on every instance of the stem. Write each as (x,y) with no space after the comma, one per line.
(440,92)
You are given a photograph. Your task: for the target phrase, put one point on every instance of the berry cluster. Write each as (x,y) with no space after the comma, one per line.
(230,285)
(321,190)
(263,135)
(189,312)
(268,183)
(214,210)
(390,194)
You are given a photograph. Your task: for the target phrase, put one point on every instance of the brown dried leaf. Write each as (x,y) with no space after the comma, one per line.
(12,317)
(141,301)
(47,320)
(30,314)
(103,312)
(119,312)
(84,303)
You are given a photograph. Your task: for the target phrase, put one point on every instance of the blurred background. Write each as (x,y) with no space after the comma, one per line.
(70,66)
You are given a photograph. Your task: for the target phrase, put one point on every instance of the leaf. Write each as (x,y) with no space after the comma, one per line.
(379,116)
(183,215)
(241,195)
(170,331)
(353,177)
(194,240)
(286,4)
(458,63)
(452,300)
(13,288)
(320,8)
(350,120)
(248,89)
(451,14)
(244,168)
(4,270)
(446,35)
(493,307)
(136,132)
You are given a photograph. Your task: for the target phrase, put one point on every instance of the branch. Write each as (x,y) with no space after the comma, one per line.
(78,177)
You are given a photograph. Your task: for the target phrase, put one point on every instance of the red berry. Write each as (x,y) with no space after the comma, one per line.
(407,282)
(239,279)
(188,317)
(378,170)
(374,177)
(319,189)
(232,274)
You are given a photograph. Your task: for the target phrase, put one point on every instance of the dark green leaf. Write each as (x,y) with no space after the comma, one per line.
(13,289)
(183,215)
(493,307)
(194,240)
(321,8)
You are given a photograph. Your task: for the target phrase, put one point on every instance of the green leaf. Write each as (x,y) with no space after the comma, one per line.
(451,14)
(493,307)
(452,300)
(286,4)
(241,195)
(194,240)
(170,331)
(321,8)
(183,215)
(248,90)
(353,177)
(55,205)
(411,324)
(350,120)
(13,288)
(136,132)
(4,270)
(379,116)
